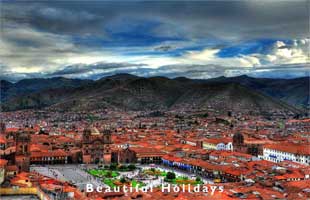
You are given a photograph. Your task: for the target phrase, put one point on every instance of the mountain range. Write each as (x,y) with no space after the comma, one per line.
(129,92)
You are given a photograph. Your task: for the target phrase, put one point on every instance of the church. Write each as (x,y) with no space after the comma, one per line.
(96,146)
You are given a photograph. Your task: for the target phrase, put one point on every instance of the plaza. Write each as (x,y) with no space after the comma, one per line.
(80,175)
(73,174)
(19,197)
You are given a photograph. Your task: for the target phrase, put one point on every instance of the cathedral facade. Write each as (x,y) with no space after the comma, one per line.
(96,146)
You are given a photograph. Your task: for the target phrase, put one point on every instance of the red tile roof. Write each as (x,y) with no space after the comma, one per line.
(3,162)
(291,148)
(54,153)
(2,139)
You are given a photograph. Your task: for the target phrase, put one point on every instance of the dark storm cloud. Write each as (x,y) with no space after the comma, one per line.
(228,20)
(54,19)
(164,48)
(47,34)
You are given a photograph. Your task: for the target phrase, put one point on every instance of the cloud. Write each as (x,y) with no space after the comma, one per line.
(283,53)
(163,48)
(28,50)
(95,68)
(53,18)
(233,20)
(201,39)
(277,53)
(210,71)
(23,47)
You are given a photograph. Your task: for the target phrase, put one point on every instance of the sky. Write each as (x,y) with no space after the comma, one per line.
(194,39)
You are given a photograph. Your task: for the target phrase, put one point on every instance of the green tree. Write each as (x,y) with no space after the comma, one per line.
(131,167)
(113,166)
(108,174)
(122,167)
(170,175)
(122,180)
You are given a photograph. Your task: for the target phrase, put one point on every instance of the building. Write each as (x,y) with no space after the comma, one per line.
(124,155)
(57,156)
(240,145)
(137,155)
(221,144)
(22,157)
(96,146)
(8,148)
(299,153)
(148,155)
(238,142)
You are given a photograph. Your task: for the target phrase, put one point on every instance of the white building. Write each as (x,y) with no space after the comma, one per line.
(287,151)
(221,144)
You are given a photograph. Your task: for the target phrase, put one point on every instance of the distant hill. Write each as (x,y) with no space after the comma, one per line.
(295,92)
(128,92)
(29,86)
(5,89)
